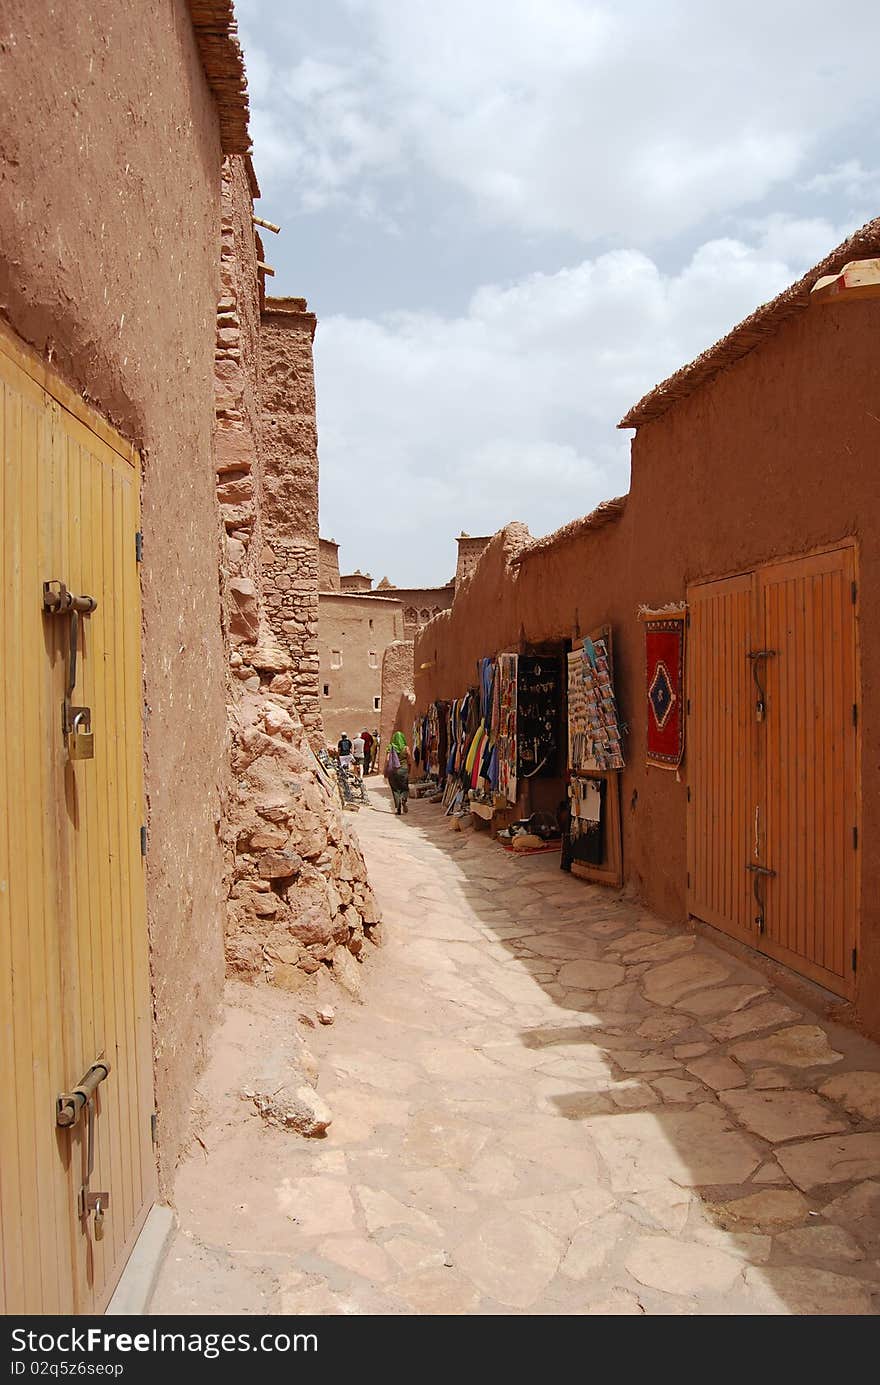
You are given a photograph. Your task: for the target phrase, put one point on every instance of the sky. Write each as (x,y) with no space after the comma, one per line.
(514,217)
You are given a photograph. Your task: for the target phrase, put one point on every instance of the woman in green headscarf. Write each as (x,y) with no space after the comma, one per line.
(397,771)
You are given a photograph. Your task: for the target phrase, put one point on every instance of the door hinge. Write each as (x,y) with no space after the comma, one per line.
(143,839)
(154,1127)
(139,547)
(855,714)
(855,958)
(853,591)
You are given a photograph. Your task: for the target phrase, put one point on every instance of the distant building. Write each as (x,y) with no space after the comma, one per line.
(356,624)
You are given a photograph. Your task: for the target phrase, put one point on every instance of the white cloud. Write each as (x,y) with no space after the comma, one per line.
(632,120)
(428,424)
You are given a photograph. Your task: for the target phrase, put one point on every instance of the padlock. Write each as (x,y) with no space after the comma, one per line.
(81,744)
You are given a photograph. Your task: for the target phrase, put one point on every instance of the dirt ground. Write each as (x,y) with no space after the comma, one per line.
(548,1102)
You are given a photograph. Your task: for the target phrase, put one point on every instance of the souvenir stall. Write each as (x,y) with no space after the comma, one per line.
(592,849)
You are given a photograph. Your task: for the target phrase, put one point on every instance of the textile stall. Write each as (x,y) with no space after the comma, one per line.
(592,848)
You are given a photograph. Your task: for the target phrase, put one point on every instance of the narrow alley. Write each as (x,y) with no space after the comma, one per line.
(552,1103)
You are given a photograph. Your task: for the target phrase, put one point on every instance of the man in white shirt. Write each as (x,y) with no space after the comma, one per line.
(357,747)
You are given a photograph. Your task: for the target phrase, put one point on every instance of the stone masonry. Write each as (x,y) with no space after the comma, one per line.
(299,902)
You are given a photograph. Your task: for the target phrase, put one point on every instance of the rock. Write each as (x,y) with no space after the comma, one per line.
(590,1246)
(357,1254)
(856,1092)
(235,553)
(820,1243)
(276,721)
(836,1159)
(438,1293)
(750,1021)
(859,1211)
(690,1148)
(510,1259)
(279,865)
(269,657)
(675,1089)
(320,1205)
(721,1000)
(669,982)
(591,976)
(681,1267)
(266,906)
(803,1291)
(298,1108)
(765,1078)
(800,1046)
(244,613)
(311,926)
(662,1026)
(783,1115)
(347,971)
(326,1014)
(287,977)
(771,1210)
(383,1211)
(718,1072)
(244,954)
(267,838)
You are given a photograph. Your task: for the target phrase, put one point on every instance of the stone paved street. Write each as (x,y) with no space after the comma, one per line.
(550,1103)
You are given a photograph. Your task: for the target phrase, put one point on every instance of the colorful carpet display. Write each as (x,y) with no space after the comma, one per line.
(506,725)
(602,748)
(664,672)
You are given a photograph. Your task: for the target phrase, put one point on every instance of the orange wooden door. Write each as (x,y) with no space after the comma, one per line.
(772,759)
(808,754)
(720,754)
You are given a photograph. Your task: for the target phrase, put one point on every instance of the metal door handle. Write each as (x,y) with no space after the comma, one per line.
(758,872)
(756,655)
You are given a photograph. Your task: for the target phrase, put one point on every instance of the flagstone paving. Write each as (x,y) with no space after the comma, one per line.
(550,1102)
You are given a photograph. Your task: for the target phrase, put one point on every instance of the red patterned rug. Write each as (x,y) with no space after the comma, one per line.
(664,650)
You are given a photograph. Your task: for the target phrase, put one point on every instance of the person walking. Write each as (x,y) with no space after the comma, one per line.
(368,751)
(397,772)
(376,748)
(357,750)
(344,749)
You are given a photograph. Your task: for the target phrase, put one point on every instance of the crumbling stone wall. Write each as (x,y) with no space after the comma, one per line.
(298,901)
(289,443)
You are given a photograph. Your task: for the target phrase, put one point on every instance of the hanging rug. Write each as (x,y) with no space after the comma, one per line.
(664,673)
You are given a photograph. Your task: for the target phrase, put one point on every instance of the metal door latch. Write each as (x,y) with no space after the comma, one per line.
(68,1109)
(759,872)
(76,722)
(70,1105)
(756,655)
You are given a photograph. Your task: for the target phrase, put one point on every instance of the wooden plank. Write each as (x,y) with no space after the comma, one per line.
(720,749)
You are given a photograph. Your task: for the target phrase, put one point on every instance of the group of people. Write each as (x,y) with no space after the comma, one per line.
(362,754)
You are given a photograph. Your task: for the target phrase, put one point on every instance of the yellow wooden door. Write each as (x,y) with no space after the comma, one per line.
(74,974)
